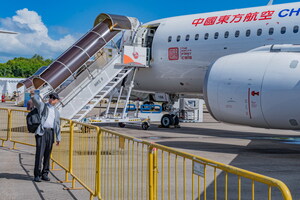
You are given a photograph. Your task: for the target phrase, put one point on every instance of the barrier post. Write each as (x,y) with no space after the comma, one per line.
(155,171)
(70,157)
(151,169)
(98,164)
(4,136)
(9,128)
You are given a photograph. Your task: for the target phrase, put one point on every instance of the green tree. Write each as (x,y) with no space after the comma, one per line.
(22,67)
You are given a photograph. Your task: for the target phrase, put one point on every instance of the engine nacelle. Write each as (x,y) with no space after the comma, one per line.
(257,88)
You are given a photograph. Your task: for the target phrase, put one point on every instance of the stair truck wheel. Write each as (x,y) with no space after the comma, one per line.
(145,126)
(121,124)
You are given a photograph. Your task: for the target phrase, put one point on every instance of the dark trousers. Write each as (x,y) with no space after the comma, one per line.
(44,145)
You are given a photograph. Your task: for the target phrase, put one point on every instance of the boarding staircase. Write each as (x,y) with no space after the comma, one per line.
(92,85)
(93,67)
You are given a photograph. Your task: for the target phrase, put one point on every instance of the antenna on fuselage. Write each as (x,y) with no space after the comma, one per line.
(270,3)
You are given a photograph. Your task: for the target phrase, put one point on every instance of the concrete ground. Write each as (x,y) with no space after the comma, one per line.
(273,153)
(16,174)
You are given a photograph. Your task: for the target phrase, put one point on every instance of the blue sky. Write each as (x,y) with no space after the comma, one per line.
(64,21)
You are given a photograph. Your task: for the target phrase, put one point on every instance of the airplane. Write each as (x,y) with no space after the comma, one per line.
(7,32)
(245,62)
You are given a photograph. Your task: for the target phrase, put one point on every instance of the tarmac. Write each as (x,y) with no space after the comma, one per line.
(273,153)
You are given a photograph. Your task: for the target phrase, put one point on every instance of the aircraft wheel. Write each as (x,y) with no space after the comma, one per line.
(121,124)
(166,121)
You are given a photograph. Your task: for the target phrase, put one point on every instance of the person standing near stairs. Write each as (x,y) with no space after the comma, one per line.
(44,135)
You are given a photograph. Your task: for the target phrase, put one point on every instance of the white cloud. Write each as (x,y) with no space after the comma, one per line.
(32,39)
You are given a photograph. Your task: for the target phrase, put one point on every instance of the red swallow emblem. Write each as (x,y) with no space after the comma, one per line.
(135,55)
(253,93)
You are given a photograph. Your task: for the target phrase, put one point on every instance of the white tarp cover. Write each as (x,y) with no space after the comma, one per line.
(9,85)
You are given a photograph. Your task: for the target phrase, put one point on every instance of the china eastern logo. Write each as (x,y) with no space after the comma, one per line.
(135,55)
(289,12)
(233,19)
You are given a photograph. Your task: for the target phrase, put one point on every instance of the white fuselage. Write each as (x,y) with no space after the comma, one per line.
(179,66)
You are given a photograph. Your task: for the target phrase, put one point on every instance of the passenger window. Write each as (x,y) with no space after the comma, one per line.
(259,32)
(169,38)
(216,35)
(248,32)
(226,34)
(296,29)
(206,36)
(271,31)
(197,37)
(237,34)
(178,38)
(283,30)
(187,37)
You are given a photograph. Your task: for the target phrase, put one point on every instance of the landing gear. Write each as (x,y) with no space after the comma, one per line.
(176,119)
(168,120)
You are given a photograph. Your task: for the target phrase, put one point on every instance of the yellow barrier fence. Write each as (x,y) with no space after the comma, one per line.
(124,167)
(4,125)
(111,165)
(60,154)
(19,132)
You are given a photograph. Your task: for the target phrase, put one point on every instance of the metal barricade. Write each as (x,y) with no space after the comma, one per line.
(111,165)
(124,171)
(179,175)
(136,169)
(19,133)
(60,154)
(4,125)
(84,155)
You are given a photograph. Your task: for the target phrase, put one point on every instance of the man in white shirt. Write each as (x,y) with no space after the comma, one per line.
(44,135)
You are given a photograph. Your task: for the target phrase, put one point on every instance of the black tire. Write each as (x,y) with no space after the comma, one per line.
(121,124)
(166,121)
(145,126)
(176,119)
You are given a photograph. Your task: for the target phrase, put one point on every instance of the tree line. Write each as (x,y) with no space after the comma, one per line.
(22,67)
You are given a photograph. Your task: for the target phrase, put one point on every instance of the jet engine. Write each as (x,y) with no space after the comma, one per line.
(258,88)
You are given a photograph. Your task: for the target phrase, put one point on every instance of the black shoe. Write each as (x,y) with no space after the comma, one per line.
(45,178)
(37,179)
